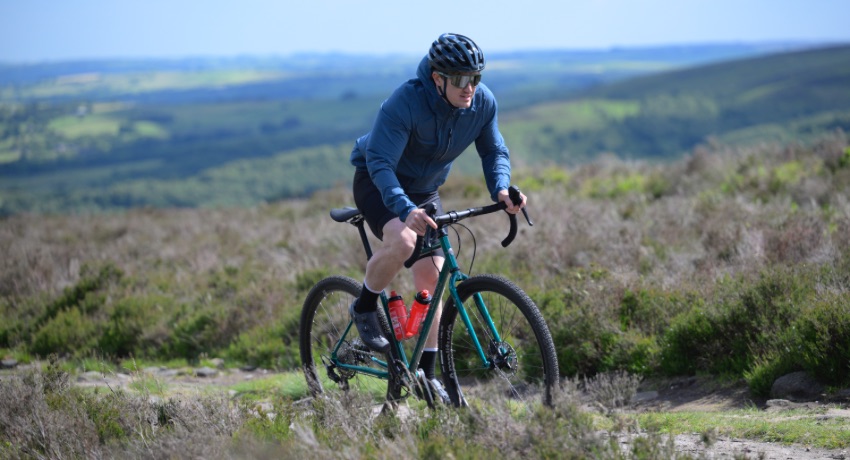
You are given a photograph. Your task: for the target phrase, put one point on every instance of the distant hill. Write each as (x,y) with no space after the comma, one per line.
(777,97)
(101,135)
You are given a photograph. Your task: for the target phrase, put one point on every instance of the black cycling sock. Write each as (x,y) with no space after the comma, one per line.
(428,363)
(367,302)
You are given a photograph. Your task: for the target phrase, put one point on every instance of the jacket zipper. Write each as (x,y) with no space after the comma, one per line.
(451,122)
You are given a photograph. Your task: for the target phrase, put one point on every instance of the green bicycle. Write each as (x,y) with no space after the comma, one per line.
(493,340)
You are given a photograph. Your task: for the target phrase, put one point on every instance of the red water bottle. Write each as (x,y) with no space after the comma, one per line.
(398,315)
(418,310)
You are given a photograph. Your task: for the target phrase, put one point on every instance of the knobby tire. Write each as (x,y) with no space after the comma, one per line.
(534,377)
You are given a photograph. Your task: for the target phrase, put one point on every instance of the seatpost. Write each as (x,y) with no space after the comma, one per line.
(362,230)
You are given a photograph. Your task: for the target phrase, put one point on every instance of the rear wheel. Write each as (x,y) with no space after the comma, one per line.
(521,368)
(325,322)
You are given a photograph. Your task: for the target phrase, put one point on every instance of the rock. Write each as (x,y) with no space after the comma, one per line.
(206,372)
(8,363)
(780,405)
(218,363)
(90,376)
(644,396)
(797,386)
(170,373)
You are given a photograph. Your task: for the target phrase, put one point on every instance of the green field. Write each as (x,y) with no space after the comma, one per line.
(134,134)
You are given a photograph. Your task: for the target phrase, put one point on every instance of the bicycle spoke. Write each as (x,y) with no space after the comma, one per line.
(325,329)
(521,368)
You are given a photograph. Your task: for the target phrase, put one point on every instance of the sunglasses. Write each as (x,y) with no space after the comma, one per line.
(461,81)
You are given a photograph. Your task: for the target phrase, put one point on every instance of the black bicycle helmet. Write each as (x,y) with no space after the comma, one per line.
(455,53)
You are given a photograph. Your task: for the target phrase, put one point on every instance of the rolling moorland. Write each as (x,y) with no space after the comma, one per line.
(80,137)
(730,263)
(727,261)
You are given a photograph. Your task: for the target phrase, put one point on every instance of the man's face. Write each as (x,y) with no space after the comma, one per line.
(458,97)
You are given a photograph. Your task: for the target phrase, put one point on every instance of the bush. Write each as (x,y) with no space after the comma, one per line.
(742,326)
(69,333)
(767,369)
(81,294)
(128,330)
(684,345)
(270,347)
(587,343)
(651,310)
(196,332)
(822,339)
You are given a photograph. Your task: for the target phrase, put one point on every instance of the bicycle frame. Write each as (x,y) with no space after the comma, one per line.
(449,279)
(450,276)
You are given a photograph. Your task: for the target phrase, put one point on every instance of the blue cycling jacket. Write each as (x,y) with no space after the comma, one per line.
(417,135)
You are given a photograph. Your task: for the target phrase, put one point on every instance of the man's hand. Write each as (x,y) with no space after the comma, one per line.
(513,209)
(418,220)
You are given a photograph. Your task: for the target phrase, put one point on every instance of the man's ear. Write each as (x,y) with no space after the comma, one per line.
(436,77)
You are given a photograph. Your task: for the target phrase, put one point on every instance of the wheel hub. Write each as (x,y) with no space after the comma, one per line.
(504,357)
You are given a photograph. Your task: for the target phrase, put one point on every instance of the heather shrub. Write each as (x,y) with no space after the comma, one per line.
(821,341)
(135,326)
(795,240)
(766,369)
(44,416)
(272,346)
(67,333)
(86,293)
(742,324)
(684,345)
(650,310)
(196,331)
(612,390)
(587,342)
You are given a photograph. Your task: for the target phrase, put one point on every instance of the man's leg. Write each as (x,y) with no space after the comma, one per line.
(386,262)
(389,259)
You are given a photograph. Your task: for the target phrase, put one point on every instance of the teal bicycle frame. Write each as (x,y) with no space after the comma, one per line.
(450,275)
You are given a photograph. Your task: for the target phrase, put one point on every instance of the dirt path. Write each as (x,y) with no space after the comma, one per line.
(690,394)
(696,395)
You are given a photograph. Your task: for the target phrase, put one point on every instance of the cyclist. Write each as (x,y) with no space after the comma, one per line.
(419,131)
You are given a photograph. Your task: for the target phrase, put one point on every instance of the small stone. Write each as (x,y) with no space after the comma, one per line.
(170,373)
(8,363)
(644,396)
(780,405)
(91,375)
(206,372)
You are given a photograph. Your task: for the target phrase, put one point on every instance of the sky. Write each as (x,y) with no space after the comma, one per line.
(56,30)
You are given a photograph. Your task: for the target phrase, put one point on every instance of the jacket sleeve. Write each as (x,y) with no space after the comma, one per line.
(495,157)
(387,141)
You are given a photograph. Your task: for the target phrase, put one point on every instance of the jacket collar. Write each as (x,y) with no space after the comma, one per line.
(436,102)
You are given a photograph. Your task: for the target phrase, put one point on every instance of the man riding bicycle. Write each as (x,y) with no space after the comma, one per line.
(419,131)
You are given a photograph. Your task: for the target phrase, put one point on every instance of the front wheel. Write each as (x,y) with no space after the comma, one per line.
(519,366)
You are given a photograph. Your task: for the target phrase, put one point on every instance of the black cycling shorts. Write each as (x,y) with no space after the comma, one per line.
(368,199)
